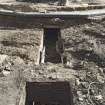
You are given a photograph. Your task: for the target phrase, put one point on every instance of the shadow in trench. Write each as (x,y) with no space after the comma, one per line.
(50,39)
(48,93)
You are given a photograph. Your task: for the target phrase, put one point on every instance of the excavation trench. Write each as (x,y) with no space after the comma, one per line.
(48,93)
(51,51)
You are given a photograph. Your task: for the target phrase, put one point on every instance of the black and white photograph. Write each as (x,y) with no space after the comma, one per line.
(52,52)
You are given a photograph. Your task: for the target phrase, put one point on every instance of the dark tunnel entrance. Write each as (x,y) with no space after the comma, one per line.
(50,38)
(48,93)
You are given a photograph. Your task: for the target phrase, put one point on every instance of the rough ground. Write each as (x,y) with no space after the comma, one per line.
(84,47)
(85,51)
(15,49)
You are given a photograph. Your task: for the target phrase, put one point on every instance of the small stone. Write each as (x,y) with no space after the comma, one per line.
(80,99)
(98,97)
(18,60)
(2,58)
(97,67)
(69,65)
(51,76)
(101,70)
(40,72)
(8,67)
(100,78)
(79,93)
(5,73)
(77,82)
(54,76)
(92,92)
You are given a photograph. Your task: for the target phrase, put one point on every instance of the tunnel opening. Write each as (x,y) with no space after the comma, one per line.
(48,93)
(51,36)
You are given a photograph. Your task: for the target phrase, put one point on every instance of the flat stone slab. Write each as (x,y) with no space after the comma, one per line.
(57,93)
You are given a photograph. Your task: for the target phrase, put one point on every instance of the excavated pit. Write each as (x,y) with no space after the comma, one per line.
(48,93)
(50,39)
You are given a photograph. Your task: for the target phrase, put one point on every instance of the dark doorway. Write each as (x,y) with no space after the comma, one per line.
(48,93)
(50,38)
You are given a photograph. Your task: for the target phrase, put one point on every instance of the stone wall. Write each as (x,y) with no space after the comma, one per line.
(22,43)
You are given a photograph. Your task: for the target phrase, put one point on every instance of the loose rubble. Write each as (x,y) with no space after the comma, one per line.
(84,49)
